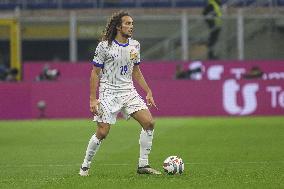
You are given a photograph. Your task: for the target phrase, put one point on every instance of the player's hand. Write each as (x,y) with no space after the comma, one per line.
(94,106)
(150,100)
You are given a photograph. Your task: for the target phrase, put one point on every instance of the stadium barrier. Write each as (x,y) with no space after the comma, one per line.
(154,70)
(220,91)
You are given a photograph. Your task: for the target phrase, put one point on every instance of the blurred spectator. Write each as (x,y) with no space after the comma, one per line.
(48,74)
(254,73)
(213,14)
(3,67)
(194,71)
(180,73)
(8,74)
(3,72)
(12,74)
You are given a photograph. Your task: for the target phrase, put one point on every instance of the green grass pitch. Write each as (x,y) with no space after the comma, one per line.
(243,152)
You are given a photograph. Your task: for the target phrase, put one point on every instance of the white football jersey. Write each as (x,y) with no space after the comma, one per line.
(117,63)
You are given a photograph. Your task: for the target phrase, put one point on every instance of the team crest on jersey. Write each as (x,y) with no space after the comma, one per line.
(133,55)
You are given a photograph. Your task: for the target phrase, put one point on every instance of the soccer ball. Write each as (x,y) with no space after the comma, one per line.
(173,165)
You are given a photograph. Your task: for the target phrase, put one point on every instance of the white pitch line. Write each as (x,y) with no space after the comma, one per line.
(234,162)
(127,164)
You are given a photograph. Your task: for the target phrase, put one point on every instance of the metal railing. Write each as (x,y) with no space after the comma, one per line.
(164,37)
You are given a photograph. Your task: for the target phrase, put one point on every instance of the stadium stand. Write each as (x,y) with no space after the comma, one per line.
(78,4)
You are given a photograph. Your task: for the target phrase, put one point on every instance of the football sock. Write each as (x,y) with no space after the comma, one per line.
(93,146)
(145,141)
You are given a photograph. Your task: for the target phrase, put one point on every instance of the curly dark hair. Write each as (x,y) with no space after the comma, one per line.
(110,30)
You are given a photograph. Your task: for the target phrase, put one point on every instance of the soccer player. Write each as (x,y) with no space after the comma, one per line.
(116,61)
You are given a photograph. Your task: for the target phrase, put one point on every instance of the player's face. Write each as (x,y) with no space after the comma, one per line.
(126,28)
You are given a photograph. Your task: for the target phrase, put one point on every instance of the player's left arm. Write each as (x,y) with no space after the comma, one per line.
(139,78)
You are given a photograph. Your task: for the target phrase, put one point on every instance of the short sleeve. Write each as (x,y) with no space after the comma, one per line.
(99,56)
(138,56)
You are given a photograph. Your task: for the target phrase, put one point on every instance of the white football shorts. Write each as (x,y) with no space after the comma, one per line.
(112,102)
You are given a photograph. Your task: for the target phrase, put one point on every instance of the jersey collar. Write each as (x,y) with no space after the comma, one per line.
(122,45)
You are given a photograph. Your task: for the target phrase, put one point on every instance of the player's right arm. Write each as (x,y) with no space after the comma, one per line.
(98,64)
(94,81)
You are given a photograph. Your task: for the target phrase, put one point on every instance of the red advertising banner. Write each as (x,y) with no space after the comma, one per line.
(219,98)
(213,89)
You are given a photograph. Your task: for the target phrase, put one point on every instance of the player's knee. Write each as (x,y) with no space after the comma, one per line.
(149,125)
(102,133)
